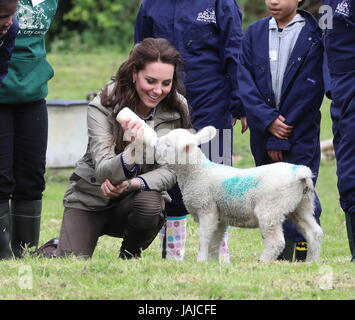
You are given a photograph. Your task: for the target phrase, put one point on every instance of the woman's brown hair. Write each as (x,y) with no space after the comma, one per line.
(124,93)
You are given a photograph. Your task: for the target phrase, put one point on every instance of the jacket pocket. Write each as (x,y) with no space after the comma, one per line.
(199,36)
(28,77)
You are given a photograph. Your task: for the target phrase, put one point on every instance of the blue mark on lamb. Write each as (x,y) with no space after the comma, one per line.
(209,164)
(238,186)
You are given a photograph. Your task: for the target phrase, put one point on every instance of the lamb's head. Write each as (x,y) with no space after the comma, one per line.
(180,146)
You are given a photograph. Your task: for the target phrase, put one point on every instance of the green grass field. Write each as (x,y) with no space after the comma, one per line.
(106,277)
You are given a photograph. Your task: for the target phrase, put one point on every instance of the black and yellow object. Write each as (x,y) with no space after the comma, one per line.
(301,251)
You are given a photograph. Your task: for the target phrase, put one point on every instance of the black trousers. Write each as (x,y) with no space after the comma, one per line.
(23,146)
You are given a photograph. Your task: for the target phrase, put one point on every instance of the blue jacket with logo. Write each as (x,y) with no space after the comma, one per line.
(7,44)
(340,48)
(208,35)
(301,96)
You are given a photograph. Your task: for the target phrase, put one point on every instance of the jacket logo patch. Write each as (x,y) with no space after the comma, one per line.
(33,20)
(209,15)
(343,8)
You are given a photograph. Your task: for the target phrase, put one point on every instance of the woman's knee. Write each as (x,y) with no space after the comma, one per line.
(147,210)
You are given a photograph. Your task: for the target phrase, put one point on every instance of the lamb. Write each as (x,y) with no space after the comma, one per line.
(218,195)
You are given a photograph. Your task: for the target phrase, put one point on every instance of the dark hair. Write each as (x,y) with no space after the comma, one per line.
(302,3)
(124,93)
(6,2)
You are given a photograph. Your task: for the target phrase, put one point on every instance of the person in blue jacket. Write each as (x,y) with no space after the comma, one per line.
(208,34)
(340,51)
(280,81)
(8,31)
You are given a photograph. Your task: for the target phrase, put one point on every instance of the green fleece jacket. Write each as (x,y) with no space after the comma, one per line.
(29,70)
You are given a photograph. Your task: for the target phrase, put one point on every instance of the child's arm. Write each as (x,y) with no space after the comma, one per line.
(306,100)
(280,129)
(259,114)
(7,48)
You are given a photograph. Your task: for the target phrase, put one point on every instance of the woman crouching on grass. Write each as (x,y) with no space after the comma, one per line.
(108,193)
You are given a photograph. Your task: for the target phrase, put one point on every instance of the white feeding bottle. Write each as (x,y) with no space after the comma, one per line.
(149,135)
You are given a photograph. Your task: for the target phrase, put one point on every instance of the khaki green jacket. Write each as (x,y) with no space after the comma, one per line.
(100,161)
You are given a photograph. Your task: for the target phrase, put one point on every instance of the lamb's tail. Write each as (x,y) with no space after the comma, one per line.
(304,174)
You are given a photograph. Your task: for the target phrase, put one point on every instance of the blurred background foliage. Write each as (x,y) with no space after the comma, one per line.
(93,24)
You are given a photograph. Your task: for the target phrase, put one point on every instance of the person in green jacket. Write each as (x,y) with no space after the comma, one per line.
(24,127)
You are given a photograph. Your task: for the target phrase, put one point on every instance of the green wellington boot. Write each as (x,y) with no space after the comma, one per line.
(26,219)
(5,231)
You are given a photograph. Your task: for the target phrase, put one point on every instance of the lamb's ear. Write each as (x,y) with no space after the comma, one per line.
(206,134)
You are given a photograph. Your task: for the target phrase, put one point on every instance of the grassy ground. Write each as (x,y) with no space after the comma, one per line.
(106,277)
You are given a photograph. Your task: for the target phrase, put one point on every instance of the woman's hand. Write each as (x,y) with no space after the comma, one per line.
(279,129)
(133,130)
(111,191)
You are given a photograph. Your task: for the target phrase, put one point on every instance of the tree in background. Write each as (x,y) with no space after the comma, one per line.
(95,23)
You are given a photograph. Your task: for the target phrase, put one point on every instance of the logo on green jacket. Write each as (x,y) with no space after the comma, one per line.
(35,20)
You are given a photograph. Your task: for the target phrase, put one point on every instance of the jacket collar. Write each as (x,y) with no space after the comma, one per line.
(296,18)
(164,116)
(302,15)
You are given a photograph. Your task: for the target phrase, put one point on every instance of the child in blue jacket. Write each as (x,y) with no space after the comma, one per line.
(208,35)
(8,31)
(280,82)
(340,49)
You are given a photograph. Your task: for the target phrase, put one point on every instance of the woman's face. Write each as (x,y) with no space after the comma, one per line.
(153,84)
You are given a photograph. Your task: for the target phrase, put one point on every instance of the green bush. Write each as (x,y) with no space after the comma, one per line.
(90,24)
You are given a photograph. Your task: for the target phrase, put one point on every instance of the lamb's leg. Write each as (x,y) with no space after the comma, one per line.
(208,223)
(307,224)
(216,240)
(271,230)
